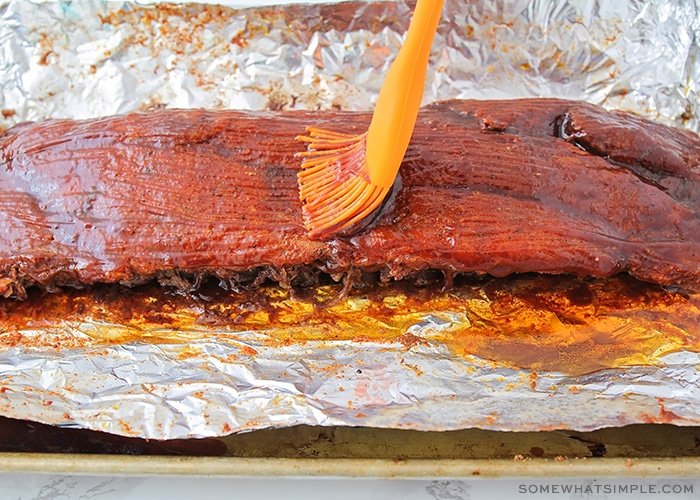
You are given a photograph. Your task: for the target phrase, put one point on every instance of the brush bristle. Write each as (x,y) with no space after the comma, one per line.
(334,183)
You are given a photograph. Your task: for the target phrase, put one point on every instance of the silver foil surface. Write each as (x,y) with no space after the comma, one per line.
(89,58)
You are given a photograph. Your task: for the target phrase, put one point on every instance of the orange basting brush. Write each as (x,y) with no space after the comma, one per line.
(345,177)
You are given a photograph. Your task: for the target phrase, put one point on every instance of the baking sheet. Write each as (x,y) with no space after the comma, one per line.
(87,58)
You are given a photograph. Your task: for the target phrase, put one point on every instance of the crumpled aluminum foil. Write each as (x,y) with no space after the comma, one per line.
(89,58)
(151,391)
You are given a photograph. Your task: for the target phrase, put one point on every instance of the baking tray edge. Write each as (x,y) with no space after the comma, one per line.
(80,464)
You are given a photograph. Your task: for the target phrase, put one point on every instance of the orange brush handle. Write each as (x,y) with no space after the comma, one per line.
(400,96)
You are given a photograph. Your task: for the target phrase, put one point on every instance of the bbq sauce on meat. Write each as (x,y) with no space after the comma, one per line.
(492,187)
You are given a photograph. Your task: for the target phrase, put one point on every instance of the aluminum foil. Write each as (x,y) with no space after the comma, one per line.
(89,58)
(150,391)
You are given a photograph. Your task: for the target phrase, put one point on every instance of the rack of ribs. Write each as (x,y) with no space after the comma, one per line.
(493,187)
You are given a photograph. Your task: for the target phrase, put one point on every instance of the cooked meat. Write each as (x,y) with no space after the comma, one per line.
(499,187)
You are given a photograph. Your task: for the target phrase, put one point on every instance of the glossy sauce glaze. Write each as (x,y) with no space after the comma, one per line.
(495,187)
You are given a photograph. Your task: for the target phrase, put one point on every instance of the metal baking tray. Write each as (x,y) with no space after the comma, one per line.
(646,450)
